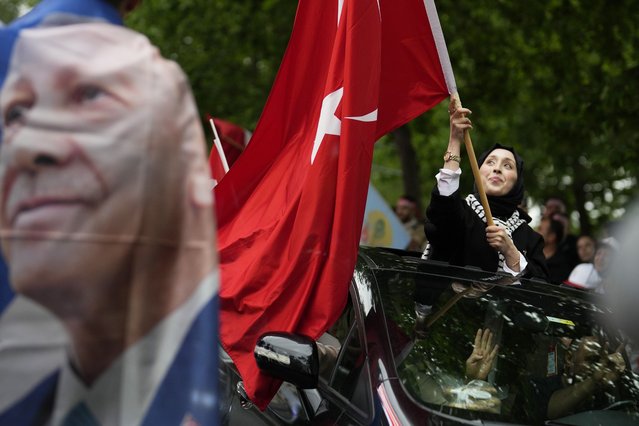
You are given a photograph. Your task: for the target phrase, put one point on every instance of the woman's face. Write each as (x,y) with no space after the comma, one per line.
(499,172)
(586,249)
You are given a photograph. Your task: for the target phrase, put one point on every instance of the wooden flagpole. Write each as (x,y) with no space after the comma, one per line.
(447,69)
(475,167)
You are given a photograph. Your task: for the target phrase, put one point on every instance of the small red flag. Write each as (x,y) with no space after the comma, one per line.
(290,210)
(233,140)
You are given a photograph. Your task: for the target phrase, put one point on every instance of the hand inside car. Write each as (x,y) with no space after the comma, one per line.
(607,371)
(481,360)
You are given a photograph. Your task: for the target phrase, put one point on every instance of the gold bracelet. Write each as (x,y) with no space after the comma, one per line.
(449,156)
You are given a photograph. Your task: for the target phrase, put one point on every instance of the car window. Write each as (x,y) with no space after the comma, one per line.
(505,353)
(348,375)
(349,364)
(287,406)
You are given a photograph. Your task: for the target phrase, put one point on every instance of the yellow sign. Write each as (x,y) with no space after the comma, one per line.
(561,321)
(378,229)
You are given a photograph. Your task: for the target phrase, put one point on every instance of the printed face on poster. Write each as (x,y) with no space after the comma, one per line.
(106,215)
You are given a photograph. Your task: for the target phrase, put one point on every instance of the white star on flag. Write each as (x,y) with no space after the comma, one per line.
(329,124)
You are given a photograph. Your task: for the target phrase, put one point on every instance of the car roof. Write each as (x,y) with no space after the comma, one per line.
(383,258)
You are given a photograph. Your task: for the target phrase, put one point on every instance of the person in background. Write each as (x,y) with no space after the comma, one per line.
(555,208)
(568,244)
(406,211)
(552,206)
(595,276)
(456,227)
(559,265)
(586,246)
(607,249)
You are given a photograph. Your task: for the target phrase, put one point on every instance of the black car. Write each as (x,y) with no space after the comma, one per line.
(424,342)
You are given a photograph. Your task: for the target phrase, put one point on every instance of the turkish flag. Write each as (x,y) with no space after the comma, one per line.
(216,166)
(290,210)
(233,139)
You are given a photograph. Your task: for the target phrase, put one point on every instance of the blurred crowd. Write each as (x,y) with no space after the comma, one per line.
(579,261)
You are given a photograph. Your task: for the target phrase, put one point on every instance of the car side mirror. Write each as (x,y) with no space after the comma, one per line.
(290,357)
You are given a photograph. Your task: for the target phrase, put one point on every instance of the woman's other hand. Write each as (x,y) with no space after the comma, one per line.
(498,239)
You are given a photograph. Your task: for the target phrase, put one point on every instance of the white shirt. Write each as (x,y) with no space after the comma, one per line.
(585,277)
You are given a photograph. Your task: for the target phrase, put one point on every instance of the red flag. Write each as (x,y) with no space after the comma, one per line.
(290,211)
(216,166)
(233,139)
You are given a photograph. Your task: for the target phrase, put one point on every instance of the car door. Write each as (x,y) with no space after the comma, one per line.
(343,395)
(346,388)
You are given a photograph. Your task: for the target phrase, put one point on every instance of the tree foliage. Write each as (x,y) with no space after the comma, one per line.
(557,79)
(230,49)
(9,10)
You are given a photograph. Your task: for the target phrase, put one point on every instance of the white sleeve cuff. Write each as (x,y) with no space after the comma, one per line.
(522,266)
(447,181)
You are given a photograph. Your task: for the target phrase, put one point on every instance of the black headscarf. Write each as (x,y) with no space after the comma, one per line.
(504,206)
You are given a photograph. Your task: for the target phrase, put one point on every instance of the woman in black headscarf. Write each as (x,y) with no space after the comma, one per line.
(456,227)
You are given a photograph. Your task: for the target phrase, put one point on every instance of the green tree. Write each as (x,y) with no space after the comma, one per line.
(557,80)
(9,10)
(230,49)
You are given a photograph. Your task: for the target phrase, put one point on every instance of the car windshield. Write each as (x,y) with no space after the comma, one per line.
(521,353)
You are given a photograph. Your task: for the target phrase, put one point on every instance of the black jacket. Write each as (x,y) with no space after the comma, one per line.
(458,236)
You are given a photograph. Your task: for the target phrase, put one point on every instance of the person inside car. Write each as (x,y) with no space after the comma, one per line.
(456,227)
(472,391)
(588,371)
(483,356)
